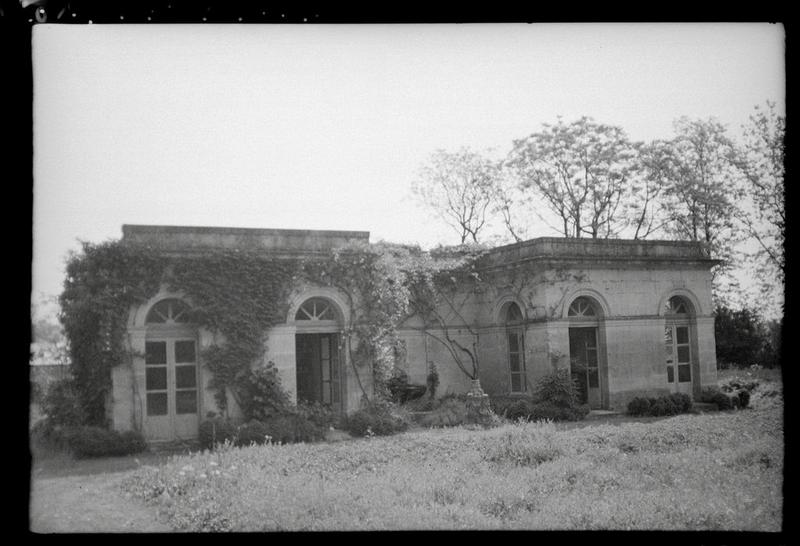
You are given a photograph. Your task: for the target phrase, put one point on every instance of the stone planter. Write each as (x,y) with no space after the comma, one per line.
(478,409)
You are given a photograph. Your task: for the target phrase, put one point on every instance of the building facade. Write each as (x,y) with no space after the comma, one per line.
(627,318)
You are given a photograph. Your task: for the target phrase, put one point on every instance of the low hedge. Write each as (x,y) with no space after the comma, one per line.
(86,442)
(526,408)
(727,401)
(286,428)
(671,404)
(216,431)
(378,418)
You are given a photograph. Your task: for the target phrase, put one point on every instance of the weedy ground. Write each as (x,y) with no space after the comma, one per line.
(714,471)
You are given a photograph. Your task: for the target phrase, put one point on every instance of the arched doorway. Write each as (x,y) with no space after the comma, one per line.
(586,359)
(678,333)
(171,374)
(318,352)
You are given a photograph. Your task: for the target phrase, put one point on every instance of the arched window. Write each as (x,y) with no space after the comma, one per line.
(316,309)
(168,311)
(516,348)
(677,305)
(678,344)
(582,307)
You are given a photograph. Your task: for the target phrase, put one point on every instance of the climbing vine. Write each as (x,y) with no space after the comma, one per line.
(238,295)
(102,283)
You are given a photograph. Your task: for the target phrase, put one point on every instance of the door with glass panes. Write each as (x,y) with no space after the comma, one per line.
(678,351)
(171,401)
(318,373)
(584,365)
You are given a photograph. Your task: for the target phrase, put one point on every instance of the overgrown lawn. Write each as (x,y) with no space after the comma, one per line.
(718,471)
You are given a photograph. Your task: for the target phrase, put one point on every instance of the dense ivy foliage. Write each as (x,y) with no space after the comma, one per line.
(101,284)
(238,295)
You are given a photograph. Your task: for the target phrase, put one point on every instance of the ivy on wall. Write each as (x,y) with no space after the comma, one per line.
(238,295)
(102,283)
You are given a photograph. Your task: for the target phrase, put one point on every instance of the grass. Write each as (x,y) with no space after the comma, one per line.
(719,471)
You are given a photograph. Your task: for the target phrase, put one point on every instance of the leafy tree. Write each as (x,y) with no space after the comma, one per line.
(763,215)
(700,193)
(743,338)
(458,187)
(580,170)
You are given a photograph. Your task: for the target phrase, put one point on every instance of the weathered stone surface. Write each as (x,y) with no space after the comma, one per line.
(628,281)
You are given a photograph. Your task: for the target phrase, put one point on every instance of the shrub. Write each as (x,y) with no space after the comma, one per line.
(639,406)
(89,441)
(132,441)
(401,391)
(262,395)
(722,400)
(682,401)
(548,411)
(450,412)
(396,384)
(527,409)
(292,428)
(672,404)
(253,432)
(744,398)
(422,404)
(61,404)
(216,431)
(663,405)
(735,384)
(515,408)
(318,413)
(377,418)
(558,388)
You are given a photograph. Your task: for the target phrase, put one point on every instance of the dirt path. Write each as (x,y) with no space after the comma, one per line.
(88,504)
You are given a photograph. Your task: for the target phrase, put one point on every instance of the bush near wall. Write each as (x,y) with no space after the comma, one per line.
(671,404)
(739,399)
(378,418)
(86,442)
(555,397)
(285,428)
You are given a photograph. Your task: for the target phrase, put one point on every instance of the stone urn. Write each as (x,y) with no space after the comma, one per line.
(478,409)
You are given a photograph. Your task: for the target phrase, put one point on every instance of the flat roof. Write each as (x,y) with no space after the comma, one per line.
(196,238)
(573,248)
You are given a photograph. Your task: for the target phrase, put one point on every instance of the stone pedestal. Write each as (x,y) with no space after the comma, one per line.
(478,409)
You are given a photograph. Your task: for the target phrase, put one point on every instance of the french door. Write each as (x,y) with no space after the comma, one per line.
(584,364)
(171,400)
(678,352)
(318,369)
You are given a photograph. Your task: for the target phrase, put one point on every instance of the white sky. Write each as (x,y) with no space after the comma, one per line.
(324,127)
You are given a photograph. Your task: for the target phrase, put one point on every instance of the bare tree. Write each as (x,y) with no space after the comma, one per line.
(458,186)
(580,170)
(643,205)
(761,162)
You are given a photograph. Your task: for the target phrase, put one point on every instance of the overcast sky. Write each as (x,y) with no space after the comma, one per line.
(324,127)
